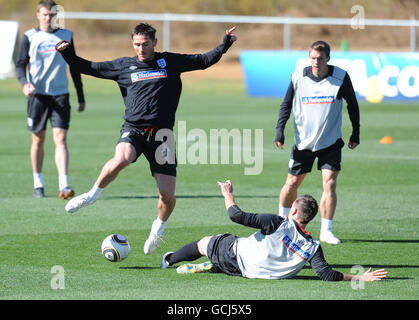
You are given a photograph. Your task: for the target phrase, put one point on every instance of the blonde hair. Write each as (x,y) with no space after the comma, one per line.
(321,46)
(49,4)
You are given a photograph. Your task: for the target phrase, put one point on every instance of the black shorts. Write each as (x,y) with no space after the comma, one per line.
(161,154)
(43,107)
(329,158)
(222,253)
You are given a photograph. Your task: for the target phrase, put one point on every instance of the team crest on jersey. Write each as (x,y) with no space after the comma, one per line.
(161,63)
(148,75)
(318,100)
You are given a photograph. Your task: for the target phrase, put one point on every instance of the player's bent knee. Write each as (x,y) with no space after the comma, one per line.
(293,182)
(330,185)
(120,162)
(203,245)
(167,197)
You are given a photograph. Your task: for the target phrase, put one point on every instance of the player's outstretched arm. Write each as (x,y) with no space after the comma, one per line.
(227,192)
(63,45)
(69,55)
(103,70)
(230,34)
(368,276)
(191,62)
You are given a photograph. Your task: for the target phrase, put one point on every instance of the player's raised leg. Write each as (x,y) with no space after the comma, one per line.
(166,188)
(328,205)
(124,154)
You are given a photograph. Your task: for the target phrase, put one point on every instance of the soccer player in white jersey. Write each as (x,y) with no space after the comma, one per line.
(42,72)
(278,250)
(315,95)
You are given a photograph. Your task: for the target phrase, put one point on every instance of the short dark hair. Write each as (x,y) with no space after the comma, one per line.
(144,29)
(321,46)
(307,208)
(49,4)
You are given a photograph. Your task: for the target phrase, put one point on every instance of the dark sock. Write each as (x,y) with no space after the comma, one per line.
(188,252)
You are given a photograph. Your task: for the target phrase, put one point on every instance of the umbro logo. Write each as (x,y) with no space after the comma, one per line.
(125,134)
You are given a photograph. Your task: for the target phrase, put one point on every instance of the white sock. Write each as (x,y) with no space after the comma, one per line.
(94,192)
(158,227)
(283,212)
(38,182)
(326,225)
(62,181)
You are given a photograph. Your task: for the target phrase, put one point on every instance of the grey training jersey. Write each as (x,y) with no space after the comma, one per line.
(47,69)
(317,111)
(278,255)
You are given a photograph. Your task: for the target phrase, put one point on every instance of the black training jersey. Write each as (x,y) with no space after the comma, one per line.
(151,89)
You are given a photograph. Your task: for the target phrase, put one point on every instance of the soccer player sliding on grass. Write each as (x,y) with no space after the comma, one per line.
(150,84)
(279,250)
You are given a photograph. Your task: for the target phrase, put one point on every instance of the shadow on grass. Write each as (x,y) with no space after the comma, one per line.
(190,197)
(139,268)
(380,266)
(381,240)
(318,279)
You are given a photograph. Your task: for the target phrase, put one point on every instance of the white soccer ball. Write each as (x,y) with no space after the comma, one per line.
(115,247)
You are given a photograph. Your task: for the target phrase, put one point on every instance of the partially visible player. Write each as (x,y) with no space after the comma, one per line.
(150,84)
(45,83)
(315,95)
(278,250)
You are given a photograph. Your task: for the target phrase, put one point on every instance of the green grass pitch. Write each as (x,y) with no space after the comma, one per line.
(376,218)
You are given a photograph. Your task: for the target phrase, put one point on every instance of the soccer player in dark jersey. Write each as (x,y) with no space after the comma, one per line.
(278,250)
(150,84)
(43,74)
(315,95)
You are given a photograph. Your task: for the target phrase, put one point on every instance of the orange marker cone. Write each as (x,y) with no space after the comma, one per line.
(386,140)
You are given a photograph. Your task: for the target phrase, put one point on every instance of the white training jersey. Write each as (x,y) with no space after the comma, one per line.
(317,111)
(278,255)
(47,69)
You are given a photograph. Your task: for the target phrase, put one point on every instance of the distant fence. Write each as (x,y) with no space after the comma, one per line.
(357,22)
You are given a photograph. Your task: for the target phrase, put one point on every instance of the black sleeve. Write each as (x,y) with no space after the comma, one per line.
(105,70)
(322,268)
(284,113)
(23,60)
(75,75)
(190,62)
(347,92)
(268,223)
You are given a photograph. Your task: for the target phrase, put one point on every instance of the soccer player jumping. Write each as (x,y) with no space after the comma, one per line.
(150,84)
